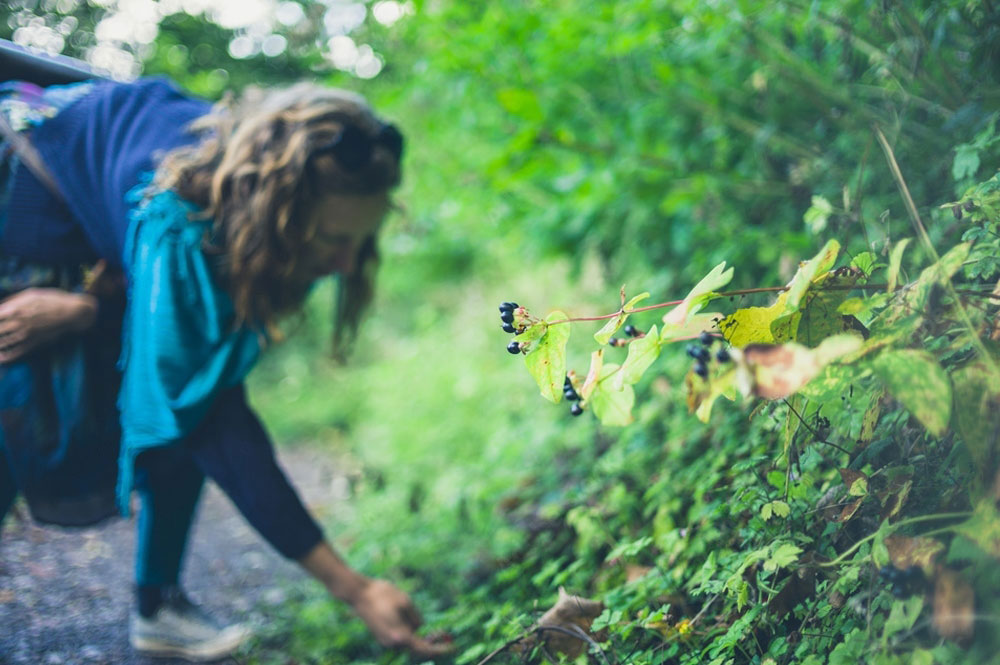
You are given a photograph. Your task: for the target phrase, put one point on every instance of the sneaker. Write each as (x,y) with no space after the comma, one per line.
(181,629)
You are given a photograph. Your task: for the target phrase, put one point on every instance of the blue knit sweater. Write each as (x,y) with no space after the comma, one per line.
(97,149)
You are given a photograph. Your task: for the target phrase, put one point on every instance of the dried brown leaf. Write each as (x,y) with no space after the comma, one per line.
(954,606)
(570,612)
(905,552)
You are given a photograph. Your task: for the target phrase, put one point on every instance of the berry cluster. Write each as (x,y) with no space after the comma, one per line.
(905,582)
(507,319)
(569,392)
(702,354)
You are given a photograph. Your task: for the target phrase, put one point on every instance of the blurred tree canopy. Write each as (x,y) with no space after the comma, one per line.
(659,134)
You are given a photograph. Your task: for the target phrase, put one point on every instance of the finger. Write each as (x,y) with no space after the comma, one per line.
(422,648)
(10,354)
(13,337)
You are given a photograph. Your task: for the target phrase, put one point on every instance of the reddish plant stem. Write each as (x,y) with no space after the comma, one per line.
(762,289)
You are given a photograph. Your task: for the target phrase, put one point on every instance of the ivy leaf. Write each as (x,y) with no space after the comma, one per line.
(902,616)
(966,162)
(699,295)
(865,262)
(611,327)
(782,556)
(774,508)
(546,361)
(895,260)
(611,406)
(641,354)
(916,379)
(851,650)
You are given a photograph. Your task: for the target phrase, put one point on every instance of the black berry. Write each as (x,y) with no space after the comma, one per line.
(701,369)
(567,383)
(956,210)
(614,341)
(570,394)
(508,328)
(507,316)
(969,206)
(699,353)
(631,331)
(576,409)
(508,306)
(722,355)
(514,347)
(706,339)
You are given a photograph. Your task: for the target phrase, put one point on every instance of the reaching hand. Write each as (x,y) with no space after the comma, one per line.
(392,618)
(36,316)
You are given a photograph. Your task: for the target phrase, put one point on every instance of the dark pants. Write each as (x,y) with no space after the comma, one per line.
(232,448)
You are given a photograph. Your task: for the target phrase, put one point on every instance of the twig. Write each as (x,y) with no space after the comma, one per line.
(911,208)
(811,430)
(703,609)
(986,292)
(912,520)
(579,634)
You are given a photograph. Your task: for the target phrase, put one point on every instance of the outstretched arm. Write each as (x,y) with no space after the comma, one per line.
(232,448)
(388,611)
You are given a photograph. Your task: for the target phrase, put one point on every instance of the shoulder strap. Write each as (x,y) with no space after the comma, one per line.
(30,157)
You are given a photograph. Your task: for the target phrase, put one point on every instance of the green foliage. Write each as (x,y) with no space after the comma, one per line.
(557,151)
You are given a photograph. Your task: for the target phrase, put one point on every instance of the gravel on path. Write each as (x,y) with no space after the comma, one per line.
(65,594)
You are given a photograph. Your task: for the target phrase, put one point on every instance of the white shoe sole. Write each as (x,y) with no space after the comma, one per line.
(224,645)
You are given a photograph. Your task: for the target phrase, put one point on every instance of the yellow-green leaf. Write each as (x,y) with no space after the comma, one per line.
(546,360)
(593,374)
(752,325)
(612,407)
(693,326)
(977,410)
(916,379)
(983,528)
(808,271)
(641,354)
(699,295)
(611,327)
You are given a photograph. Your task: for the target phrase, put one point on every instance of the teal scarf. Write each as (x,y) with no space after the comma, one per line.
(180,346)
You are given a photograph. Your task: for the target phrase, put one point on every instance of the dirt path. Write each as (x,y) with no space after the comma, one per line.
(65,595)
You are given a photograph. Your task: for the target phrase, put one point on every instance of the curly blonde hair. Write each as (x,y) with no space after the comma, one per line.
(257,171)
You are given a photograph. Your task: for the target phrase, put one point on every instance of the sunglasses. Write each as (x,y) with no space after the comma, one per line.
(353,148)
